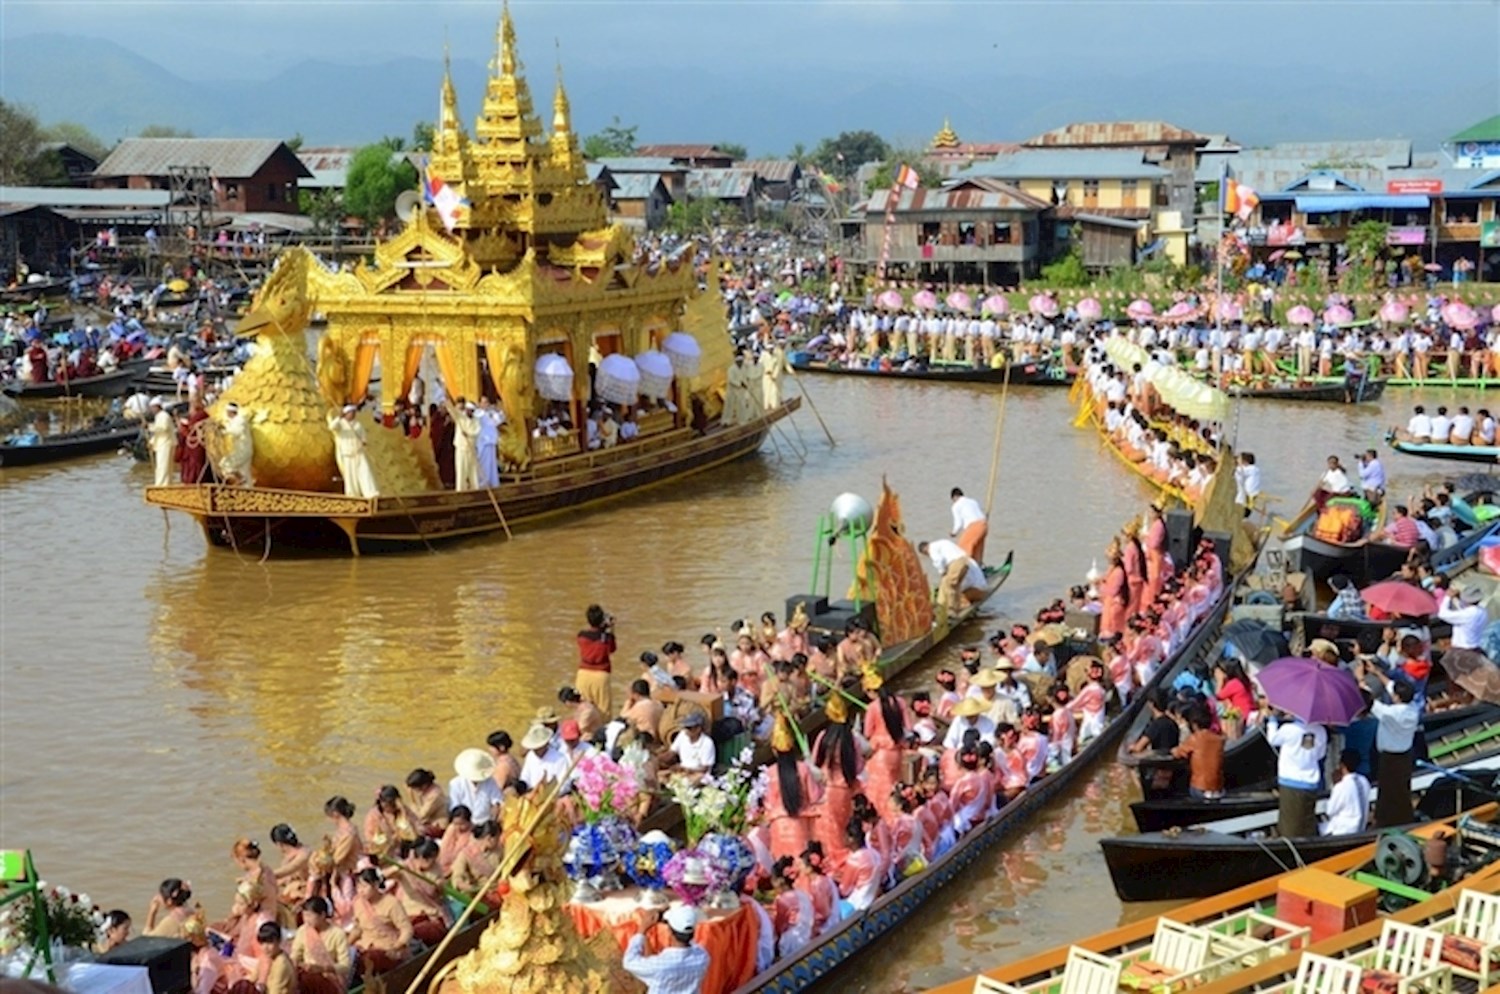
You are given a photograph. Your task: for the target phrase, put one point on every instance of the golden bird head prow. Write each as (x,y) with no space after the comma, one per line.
(282,305)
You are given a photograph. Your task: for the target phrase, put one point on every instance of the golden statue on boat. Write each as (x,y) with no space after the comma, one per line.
(511,282)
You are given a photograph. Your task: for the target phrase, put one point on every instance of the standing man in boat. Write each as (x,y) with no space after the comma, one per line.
(349,453)
(192,457)
(962,581)
(970,525)
(773,366)
(162,433)
(1300,747)
(1371,476)
(737,399)
(491,418)
(466,429)
(596,643)
(237,463)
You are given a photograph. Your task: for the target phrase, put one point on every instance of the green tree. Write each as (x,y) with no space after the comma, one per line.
(1068,271)
(164,131)
(734,150)
(324,208)
(615,140)
(1366,240)
(294,143)
(376,177)
(850,150)
(886,174)
(81,138)
(20,139)
(421,136)
(799,153)
(695,215)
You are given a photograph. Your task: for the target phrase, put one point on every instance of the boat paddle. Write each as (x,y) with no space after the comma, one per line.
(811,406)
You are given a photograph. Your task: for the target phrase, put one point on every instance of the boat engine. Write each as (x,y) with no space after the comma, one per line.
(1401,859)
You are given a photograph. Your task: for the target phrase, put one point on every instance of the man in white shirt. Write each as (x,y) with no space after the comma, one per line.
(1419,427)
(1397,730)
(475,787)
(1371,475)
(545,759)
(1486,428)
(1467,616)
(1335,482)
(1349,801)
(970,526)
(1300,748)
(1442,426)
(692,751)
(962,580)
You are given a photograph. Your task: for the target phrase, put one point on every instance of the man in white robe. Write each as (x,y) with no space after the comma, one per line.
(490,419)
(236,465)
(737,400)
(349,453)
(466,429)
(162,432)
(773,366)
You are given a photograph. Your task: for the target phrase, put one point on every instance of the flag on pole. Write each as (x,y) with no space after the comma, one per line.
(444,198)
(907,176)
(1229,200)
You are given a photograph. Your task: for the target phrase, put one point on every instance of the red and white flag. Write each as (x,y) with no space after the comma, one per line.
(907,177)
(445,199)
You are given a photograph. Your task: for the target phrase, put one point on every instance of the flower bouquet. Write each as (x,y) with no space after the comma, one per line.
(725,803)
(647,864)
(734,857)
(74,922)
(590,859)
(604,788)
(693,875)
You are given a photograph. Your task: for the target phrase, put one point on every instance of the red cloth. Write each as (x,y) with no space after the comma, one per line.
(594,648)
(191,454)
(730,940)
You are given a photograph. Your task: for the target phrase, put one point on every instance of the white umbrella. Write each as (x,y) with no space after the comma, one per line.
(617,380)
(684,352)
(554,377)
(656,373)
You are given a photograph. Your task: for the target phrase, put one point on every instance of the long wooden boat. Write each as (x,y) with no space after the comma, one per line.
(107,437)
(1335,391)
(1233,917)
(1252,788)
(1046,373)
(1222,855)
(235,516)
(814,962)
(1089,414)
(1484,454)
(104,385)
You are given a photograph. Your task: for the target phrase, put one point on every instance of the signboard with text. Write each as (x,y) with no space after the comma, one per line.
(1431,187)
(1405,236)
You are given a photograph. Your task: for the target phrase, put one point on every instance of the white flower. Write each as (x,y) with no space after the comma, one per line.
(85,899)
(63,893)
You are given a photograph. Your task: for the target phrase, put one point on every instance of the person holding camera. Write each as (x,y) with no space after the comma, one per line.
(595,644)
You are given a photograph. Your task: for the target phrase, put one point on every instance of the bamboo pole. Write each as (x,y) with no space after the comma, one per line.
(989,497)
(499,513)
(811,406)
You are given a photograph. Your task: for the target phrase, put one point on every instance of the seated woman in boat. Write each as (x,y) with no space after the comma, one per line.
(382,931)
(1062,727)
(715,679)
(792,914)
(257,887)
(429,803)
(908,841)
(116,932)
(320,951)
(590,719)
(335,880)
(859,879)
(812,880)
(271,970)
(208,968)
(420,890)
(476,861)
(1232,690)
(749,662)
(974,791)
(387,824)
(296,864)
(1008,765)
(168,913)
(456,837)
(935,801)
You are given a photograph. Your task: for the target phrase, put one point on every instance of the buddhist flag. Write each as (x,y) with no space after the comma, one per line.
(1229,200)
(907,176)
(444,198)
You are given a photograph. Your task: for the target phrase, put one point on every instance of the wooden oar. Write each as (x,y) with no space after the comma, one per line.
(513,854)
(989,497)
(810,405)
(499,513)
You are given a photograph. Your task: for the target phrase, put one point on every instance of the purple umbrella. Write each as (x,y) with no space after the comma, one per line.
(1312,690)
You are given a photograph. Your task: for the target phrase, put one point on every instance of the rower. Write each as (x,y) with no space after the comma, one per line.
(1334,483)
(970,525)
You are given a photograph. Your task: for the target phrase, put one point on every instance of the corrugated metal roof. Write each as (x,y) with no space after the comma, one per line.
(640,164)
(637,186)
(326,157)
(70,196)
(772,170)
(1387,153)
(720,184)
(1108,222)
(1083,134)
(969,199)
(999,186)
(670,151)
(1487,130)
(1071,163)
(226,158)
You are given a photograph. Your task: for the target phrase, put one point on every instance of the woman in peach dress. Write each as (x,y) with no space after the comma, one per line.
(476,862)
(344,851)
(258,878)
(429,803)
(292,873)
(382,931)
(836,754)
(1114,595)
(387,824)
(320,951)
(421,891)
(791,795)
(455,837)
(208,969)
(819,887)
(167,915)
(886,721)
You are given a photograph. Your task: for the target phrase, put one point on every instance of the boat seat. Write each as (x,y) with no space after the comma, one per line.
(1322,975)
(1404,960)
(1176,950)
(1251,937)
(1471,937)
(1084,973)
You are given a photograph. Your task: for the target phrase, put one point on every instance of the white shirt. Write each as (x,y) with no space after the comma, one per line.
(1487,431)
(966,511)
(1300,750)
(694,756)
(983,724)
(1420,426)
(1441,426)
(1468,620)
(944,553)
(1336,481)
(1463,426)
(549,764)
(1348,806)
(482,799)
(1398,725)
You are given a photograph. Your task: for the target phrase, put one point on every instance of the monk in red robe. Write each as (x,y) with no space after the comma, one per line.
(37,356)
(191,455)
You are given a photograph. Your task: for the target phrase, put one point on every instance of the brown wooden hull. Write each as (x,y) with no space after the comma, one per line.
(256,517)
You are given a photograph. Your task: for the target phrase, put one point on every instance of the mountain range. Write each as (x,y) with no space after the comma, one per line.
(115,92)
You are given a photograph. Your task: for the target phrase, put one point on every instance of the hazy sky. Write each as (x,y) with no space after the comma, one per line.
(1236,49)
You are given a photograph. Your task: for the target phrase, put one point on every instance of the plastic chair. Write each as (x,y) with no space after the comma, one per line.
(1321,975)
(1476,919)
(1084,973)
(1410,955)
(1179,948)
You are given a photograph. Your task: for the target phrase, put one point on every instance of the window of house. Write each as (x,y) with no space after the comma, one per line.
(930,232)
(1162,198)
(1127,192)
(1091,189)
(231,191)
(1001,234)
(271,192)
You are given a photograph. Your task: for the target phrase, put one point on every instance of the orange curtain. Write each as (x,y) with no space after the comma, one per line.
(492,354)
(444,356)
(364,365)
(413,364)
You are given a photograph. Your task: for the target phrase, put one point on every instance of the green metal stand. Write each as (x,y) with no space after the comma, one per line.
(823,555)
(19,877)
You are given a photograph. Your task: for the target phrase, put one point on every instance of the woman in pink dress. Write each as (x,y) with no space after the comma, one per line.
(382,931)
(345,851)
(1133,559)
(1114,595)
(292,873)
(860,876)
(836,755)
(819,888)
(886,721)
(387,824)
(792,914)
(455,837)
(429,803)
(973,793)
(908,840)
(1158,561)
(320,951)
(421,891)
(791,795)
(715,679)
(935,800)
(168,914)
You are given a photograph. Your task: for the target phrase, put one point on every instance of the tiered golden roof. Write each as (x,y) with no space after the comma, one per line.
(947,138)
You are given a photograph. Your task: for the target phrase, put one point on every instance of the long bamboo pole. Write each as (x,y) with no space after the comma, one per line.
(811,406)
(989,497)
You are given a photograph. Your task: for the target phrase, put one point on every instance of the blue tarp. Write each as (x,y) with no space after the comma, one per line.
(1328,203)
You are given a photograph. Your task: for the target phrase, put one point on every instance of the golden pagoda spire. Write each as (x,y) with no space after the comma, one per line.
(506,122)
(506,39)
(449,128)
(946,138)
(564,143)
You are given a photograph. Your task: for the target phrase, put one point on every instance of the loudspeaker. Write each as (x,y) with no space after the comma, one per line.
(832,619)
(1221,541)
(1086,620)
(812,606)
(1179,524)
(169,961)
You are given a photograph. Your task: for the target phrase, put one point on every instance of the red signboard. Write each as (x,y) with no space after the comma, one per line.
(1428,186)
